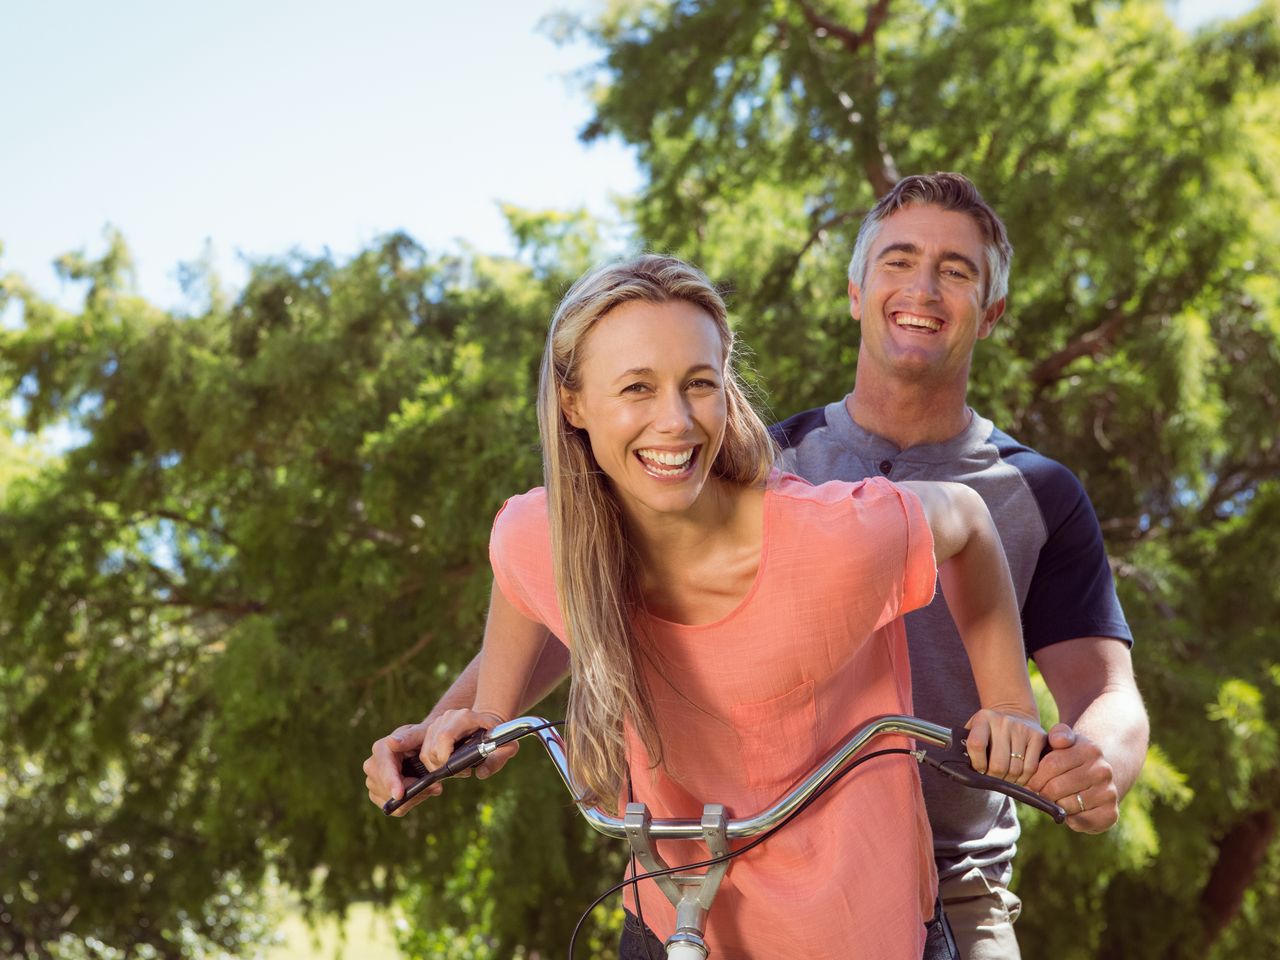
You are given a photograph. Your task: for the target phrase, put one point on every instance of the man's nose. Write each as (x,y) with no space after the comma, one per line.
(924,284)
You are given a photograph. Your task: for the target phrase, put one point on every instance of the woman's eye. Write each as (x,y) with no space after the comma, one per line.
(703,384)
(635,388)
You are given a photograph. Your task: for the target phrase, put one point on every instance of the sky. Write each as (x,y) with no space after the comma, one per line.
(249,128)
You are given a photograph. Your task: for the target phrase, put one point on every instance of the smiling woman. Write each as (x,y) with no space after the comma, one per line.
(658,415)
(726,624)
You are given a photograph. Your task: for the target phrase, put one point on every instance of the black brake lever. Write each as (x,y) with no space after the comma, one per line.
(468,752)
(953,761)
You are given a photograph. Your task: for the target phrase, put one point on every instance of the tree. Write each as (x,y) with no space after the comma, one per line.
(267,551)
(1136,168)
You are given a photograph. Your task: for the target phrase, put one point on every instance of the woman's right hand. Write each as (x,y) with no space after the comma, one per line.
(1006,743)
(433,742)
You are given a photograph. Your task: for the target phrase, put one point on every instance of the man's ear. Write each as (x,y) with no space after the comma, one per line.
(990,317)
(569,407)
(855,302)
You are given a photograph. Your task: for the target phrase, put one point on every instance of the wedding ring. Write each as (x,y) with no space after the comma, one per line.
(1080,800)
(1015,756)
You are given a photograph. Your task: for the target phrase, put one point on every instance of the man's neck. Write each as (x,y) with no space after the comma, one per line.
(908,415)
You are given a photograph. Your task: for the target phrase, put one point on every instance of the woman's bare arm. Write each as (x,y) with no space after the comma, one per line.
(979,592)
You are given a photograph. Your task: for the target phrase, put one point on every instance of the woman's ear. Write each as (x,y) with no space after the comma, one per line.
(569,407)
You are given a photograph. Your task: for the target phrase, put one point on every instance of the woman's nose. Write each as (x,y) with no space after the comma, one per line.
(673,413)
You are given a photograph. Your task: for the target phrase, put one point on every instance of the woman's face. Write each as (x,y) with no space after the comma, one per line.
(652,402)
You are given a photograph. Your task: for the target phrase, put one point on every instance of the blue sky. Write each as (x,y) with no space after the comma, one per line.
(255,127)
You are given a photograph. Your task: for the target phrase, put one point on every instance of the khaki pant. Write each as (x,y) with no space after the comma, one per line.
(981,913)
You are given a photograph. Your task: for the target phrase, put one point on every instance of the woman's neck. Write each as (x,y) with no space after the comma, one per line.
(696,566)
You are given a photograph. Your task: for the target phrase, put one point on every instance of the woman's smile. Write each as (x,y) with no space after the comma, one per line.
(666,464)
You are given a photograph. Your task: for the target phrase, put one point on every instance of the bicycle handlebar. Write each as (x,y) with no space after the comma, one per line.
(953,761)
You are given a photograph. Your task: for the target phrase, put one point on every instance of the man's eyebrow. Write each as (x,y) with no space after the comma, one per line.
(913,250)
(900,247)
(956,255)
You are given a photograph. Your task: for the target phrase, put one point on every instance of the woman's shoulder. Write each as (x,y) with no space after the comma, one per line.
(834,493)
(522,519)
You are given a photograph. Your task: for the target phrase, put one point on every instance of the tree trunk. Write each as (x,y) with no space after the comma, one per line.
(1241,853)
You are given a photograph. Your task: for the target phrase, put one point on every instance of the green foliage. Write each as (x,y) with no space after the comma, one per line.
(268,550)
(268,547)
(1138,171)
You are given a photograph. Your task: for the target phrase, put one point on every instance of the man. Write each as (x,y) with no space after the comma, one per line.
(928,280)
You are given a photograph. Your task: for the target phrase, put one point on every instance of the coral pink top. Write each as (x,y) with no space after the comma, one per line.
(748,705)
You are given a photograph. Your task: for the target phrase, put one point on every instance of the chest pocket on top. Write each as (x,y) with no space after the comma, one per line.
(777,738)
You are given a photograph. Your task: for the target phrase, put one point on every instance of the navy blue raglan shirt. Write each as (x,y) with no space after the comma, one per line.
(1060,572)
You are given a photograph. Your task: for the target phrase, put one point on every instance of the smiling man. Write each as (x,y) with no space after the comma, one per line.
(927,281)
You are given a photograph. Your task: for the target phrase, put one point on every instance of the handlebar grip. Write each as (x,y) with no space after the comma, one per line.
(954,762)
(467,753)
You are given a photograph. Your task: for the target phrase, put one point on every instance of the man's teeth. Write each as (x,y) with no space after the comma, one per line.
(667,457)
(911,320)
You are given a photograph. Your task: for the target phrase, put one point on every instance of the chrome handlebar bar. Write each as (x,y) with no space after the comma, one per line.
(953,762)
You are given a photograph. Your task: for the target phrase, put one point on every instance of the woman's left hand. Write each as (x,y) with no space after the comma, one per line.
(1005,744)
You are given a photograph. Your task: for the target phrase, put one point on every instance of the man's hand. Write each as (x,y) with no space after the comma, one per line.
(1077,777)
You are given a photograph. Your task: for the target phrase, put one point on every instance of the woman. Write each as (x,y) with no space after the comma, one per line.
(728,625)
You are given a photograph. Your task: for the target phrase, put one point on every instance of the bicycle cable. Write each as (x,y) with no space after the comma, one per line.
(635,879)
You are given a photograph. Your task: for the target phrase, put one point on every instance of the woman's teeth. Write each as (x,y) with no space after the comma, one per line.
(666,463)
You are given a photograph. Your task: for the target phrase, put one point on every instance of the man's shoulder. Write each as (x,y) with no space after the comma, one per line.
(792,431)
(1054,486)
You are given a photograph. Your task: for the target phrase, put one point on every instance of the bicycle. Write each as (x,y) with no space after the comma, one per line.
(692,893)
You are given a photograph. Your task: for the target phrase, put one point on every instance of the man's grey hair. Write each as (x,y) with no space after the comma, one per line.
(950,191)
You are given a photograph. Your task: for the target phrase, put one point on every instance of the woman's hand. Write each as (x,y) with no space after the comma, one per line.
(433,742)
(1005,744)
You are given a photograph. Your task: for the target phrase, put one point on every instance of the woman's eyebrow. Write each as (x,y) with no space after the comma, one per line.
(648,371)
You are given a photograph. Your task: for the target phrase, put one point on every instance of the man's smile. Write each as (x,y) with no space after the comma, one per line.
(915,321)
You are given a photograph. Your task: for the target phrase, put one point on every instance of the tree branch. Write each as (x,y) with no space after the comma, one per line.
(849,39)
(176,517)
(387,669)
(1090,343)
(819,230)
(877,162)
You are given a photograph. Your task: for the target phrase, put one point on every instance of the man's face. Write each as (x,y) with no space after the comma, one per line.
(920,304)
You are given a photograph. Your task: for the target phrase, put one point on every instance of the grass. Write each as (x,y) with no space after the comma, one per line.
(368,936)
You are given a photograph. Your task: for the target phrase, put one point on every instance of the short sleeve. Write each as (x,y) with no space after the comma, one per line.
(1072,593)
(520,555)
(920,570)
(895,541)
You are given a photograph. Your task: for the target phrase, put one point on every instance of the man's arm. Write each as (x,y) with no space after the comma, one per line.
(1101,742)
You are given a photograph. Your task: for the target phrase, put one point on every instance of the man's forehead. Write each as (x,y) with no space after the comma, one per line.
(924,224)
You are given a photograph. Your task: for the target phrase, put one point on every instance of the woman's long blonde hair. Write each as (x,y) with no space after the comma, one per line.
(596,573)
